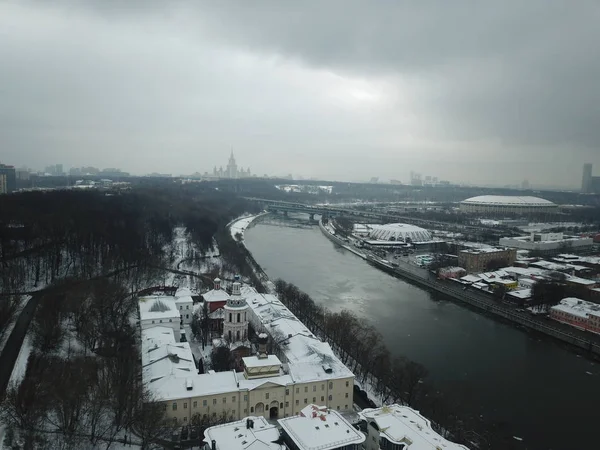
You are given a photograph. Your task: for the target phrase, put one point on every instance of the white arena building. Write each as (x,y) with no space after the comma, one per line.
(399,232)
(506,204)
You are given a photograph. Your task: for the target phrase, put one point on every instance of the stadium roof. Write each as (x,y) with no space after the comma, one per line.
(507,200)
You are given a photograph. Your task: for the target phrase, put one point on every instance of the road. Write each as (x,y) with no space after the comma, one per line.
(11,350)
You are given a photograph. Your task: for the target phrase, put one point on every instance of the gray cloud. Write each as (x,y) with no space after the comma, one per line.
(297,85)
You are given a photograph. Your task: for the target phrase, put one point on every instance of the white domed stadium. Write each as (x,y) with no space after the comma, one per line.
(506,204)
(399,232)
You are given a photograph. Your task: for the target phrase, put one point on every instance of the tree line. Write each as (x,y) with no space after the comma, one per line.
(394,379)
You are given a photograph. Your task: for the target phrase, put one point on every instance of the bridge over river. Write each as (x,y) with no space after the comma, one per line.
(375,216)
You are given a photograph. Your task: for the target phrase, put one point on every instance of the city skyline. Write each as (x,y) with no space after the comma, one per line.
(166,87)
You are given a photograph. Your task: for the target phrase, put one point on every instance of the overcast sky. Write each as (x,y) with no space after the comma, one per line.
(483,92)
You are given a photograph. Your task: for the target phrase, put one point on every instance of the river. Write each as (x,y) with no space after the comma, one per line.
(539,390)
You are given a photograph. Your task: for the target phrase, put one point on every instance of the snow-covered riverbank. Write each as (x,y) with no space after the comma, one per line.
(238,226)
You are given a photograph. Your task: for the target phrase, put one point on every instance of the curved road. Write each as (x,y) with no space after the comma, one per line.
(11,350)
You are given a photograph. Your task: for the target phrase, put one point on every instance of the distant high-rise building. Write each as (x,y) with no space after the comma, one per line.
(56,170)
(231,171)
(586,180)
(525,185)
(8,179)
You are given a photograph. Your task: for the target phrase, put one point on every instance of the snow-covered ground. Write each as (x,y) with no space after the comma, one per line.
(18,372)
(240,225)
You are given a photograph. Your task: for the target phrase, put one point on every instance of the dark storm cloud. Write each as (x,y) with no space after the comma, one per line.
(496,82)
(518,71)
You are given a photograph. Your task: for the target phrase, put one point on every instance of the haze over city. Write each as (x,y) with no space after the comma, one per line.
(343,90)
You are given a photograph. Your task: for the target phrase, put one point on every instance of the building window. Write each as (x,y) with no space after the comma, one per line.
(330,397)
(346,395)
(174,406)
(160,321)
(322,387)
(233,412)
(233,399)
(347,383)
(195,405)
(166,406)
(322,398)
(239,317)
(224,399)
(305,388)
(252,409)
(185,419)
(267,396)
(314,399)
(287,392)
(287,404)
(204,403)
(314,388)
(345,406)
(153,321)
(306,401)
(187,306)
(214,401)
(297,402)
(297,390)
(184,405)
(331,385)
(229,317)
(214,414)
(245,398)
(187,316)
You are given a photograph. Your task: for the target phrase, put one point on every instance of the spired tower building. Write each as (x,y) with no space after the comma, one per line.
(235,324)
(232,171)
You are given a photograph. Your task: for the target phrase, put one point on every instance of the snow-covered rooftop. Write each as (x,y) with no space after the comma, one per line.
(507,200)
(399,232)
(158,307)
(216,295)
(183,295)
(577,307)
(582,281)
(308,358)
(319,428)
(238,436)
(521,294)
(403,425)
(254,361)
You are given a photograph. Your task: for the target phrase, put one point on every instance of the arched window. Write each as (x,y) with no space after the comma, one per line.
(238,335)
(230,317)
(230,335)
(239,317)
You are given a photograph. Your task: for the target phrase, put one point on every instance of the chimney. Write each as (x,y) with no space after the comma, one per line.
(248,423)
(217,284)
(262,345)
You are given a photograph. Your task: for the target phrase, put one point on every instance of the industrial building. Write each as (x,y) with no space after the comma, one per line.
(549,243)
(482,259)
(506,204)
(589,183)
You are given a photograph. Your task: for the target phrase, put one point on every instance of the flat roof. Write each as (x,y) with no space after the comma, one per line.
(254,361)
(237,435)
(319,428)
(577,307)
(404,425)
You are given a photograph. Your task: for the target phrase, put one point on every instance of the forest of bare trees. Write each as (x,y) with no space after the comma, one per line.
(82,257)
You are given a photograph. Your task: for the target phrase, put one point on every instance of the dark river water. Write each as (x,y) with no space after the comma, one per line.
(542,392)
